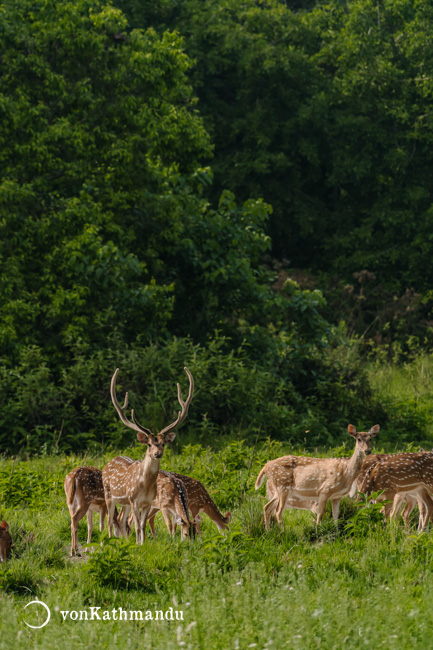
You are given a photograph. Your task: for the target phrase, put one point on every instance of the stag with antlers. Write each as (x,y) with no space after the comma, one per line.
(131,483)
(307,480)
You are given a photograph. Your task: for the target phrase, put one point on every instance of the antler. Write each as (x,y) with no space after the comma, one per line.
(121,409)
(184,405)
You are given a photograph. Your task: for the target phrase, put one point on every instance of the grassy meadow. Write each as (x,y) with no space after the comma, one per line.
(368,584)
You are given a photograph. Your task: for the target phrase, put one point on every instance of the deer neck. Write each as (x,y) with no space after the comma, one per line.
(149,468)
(212,511)
(355,463)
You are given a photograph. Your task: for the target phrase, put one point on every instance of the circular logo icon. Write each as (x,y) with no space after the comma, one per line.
(38,602)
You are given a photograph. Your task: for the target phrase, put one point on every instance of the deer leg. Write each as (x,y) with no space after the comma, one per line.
(111,506)
(102,516)
(387,509)
(125,520)
(76,517)
(143,520)
(89,525)
(279,511)
(268,510)
(151,521)
(335,503)
(323,500)
(196,522)
(136,516)
(168,522)
(423,506)
(397,505)
(384,497)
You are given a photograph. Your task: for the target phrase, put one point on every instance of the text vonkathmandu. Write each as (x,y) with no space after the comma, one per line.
(119,614)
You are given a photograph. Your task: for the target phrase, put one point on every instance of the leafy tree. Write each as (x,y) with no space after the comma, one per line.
(100,148)
(324,111)
(113,254)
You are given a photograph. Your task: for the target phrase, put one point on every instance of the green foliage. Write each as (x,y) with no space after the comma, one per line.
(94,181)
(322,109)
(369,515)
(112,565)
(110,249)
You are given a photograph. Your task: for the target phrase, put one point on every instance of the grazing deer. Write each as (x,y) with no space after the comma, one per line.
(5,542)
(85,495)
(172,500)
(199,500)
(325,479)
(130,483)
(403,477)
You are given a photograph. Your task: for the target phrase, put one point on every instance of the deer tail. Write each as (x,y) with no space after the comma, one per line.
(182,497)
(70,489)
(261,477)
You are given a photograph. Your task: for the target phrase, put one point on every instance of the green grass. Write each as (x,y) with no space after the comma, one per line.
(299,588)
(406,391)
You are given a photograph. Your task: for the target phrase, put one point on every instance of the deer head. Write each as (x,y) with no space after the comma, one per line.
(363,438)
(155,441)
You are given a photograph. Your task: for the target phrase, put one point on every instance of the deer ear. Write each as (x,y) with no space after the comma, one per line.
(4,525)
(374,430)
(142,437)
(352,430)
(170,437)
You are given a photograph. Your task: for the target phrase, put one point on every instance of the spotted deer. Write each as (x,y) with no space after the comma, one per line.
(295,504)
(403,478)
(131,483)
(199,501)
(5,542)
(85,495)
(172,500)
(405,503)
(319,480)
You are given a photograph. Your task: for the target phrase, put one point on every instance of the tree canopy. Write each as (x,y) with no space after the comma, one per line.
(163,167)
(322,109)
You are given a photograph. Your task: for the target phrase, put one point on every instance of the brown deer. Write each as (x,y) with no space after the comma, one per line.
(199,500)
(409,500)
(403,478)
(5,542)
(85,495)
(130,483)
(172,500)
(296,504)
(397,499)
(321,480)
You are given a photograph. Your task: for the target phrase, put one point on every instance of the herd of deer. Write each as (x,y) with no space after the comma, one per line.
(142,489)
(309,483)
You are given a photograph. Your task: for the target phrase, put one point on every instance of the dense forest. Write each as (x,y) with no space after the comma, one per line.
(244,188)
